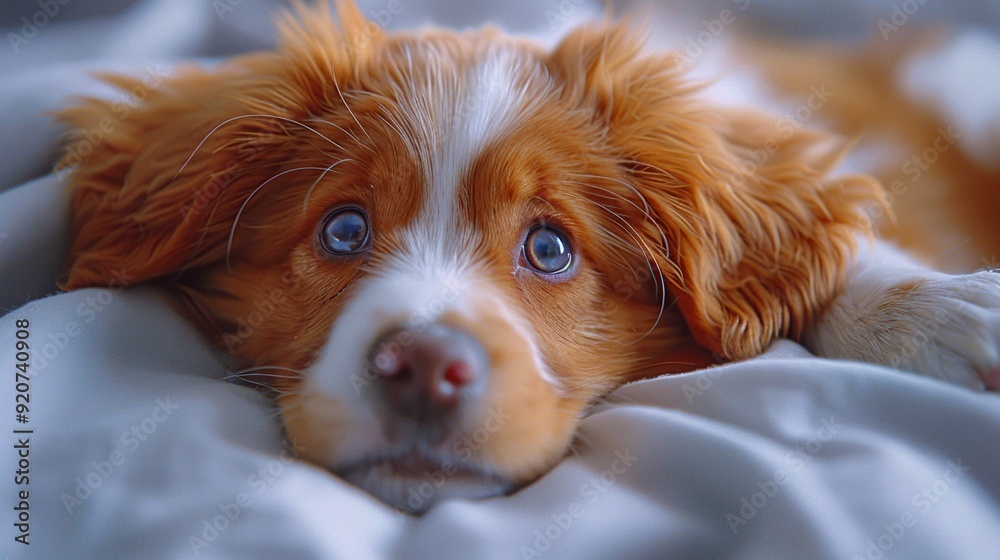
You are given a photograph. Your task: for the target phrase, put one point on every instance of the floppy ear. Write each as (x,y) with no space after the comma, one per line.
(758,235)
(137,210)
(158,178)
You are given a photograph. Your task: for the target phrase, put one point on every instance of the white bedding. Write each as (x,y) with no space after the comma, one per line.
(139,451)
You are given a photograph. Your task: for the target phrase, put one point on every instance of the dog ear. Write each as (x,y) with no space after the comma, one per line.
(157,178)
(140,208)
(755,233)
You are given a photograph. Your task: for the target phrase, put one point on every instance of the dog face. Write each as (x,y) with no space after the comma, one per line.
(440,249)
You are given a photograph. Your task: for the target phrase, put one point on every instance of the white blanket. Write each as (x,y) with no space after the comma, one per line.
(137,450)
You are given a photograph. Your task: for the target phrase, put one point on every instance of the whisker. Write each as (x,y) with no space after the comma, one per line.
(232,231)
(667,363)
(341,94)
(392,123)
(352,135)
(265,368)
(620,220)
(253,377)
(247,376)
(646,251)
(257,384)
(305,203)
(251,116)
(646,209)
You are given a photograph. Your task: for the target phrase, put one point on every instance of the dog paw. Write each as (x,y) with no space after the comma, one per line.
(935,324)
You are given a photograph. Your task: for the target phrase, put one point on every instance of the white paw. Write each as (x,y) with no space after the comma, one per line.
(935,324)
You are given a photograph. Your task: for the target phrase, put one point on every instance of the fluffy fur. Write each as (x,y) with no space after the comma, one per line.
(943,209)
(699,235)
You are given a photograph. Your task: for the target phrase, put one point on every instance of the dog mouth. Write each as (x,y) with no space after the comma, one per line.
(414,480)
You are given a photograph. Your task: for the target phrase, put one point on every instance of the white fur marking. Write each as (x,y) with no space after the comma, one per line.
(896,312)
(486,106)
(480,106)
(454,117)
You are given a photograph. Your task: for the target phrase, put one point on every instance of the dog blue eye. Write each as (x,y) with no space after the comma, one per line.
(345,231)
(547,250)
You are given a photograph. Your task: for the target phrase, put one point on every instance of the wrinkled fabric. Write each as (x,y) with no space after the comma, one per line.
(139,450)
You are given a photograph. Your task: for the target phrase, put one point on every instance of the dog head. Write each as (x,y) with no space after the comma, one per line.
(440,249)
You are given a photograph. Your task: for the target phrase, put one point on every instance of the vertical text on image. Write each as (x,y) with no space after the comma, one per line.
(22,431)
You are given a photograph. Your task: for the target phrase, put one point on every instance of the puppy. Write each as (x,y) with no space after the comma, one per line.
(439,249)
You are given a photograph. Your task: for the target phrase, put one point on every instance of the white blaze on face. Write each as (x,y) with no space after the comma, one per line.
(469,111)
(455,116)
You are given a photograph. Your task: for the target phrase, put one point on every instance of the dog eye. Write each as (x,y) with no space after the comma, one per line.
(547,250)
(345,231)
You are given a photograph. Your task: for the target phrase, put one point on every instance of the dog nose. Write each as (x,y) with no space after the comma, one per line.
(430,372)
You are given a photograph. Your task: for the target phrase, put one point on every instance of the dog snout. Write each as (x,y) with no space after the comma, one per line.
(429,373)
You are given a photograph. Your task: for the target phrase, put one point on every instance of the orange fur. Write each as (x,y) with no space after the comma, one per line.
(751,255)
(953,198)
(665,199)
